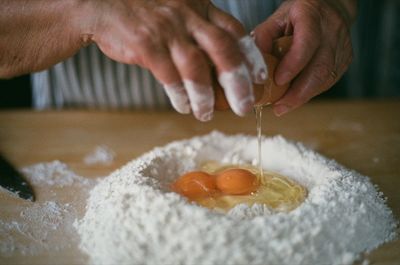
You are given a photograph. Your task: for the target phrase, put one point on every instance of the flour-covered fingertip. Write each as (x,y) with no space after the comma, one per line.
(238,89)
(253,35)
(206,116)
(182,109)
(178,97)
(244,106)
(262,75)
(201,98)
(254,59)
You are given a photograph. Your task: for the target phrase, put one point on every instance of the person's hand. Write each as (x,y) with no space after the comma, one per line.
(181,42)
(321,51)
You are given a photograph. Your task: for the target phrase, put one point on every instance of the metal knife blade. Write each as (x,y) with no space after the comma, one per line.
(12,180)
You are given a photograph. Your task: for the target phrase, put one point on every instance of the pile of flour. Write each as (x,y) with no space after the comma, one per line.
(133,218)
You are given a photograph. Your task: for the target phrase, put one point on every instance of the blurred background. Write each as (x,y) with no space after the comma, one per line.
(374,73)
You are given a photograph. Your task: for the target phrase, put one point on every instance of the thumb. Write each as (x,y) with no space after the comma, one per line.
(277,25)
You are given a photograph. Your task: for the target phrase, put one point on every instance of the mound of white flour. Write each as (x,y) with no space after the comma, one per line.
(133,218)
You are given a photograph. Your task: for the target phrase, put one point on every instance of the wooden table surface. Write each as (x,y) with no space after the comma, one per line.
(362,135)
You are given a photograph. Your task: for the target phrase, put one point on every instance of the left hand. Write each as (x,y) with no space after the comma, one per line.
(321,51)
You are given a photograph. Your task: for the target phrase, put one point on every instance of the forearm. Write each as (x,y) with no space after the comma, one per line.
(36,34)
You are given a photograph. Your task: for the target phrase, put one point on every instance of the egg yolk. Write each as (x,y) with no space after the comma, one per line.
(195,184)
(237,182)
(221,187)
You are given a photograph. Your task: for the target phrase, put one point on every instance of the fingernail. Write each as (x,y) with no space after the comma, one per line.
(253,35)
(281,109)
(207,116)
(283,78)
(184,109)
(262,75)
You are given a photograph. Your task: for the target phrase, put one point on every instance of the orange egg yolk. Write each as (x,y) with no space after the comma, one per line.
(221,187)
(195,184)
(237,182)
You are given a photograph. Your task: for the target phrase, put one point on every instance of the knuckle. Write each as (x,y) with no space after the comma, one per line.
(165,16)
(194,64)
(169,10)
(173,4)
(143,36)
(234,27)
(180,8)
(322,72)
(336,21)
(131,57)
(227,48)
(301,96)
(192,57)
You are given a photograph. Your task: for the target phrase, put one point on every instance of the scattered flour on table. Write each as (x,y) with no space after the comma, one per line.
(36,229)
(133,218)
(48,223)
(102,154)
(54,173)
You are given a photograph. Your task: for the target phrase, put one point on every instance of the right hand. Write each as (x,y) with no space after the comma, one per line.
(321,51)
(176,40)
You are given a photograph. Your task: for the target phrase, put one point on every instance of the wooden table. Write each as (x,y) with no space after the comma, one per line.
(364,136)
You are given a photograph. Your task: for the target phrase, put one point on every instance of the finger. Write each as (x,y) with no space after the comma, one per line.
(163,68)
(254,57)
(316,78)
(306,40)
(201,99)
(195,73)
(226,55)
(345,57)
(179,99)
(247,45)
(265,33)
(238,89)
(226,22)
